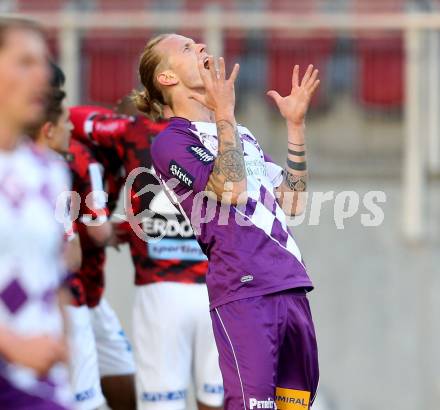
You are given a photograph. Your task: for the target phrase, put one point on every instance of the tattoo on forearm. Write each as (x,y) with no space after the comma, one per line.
(231,165)
(229,161)
(223,125)
(297,183)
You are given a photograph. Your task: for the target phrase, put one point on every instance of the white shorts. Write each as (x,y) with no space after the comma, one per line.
(115,356)
(174,346)
(83,359)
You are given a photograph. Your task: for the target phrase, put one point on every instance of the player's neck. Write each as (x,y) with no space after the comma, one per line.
(41,141)
(192,110)
(9,135)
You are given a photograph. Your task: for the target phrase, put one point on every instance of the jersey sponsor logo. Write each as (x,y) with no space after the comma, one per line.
(125,340)
(255,167)
(85,395)
(170,227)
(181,174)
(106,127)
(213,388)
(262,404)
(289,399)
(164,396)
(201,153)
(168,221)
(246,278)
(183,249)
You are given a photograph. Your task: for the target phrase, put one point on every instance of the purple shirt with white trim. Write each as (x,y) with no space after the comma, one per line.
(250,249)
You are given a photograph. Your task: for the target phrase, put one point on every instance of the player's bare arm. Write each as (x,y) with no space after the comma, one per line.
(294,108)
(73,254)
(229,172)
(38,353)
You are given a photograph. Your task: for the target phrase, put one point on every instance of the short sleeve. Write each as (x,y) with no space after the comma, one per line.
(177,154)
(274,171)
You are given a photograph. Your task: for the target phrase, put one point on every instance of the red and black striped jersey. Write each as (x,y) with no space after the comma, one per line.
(176,257)
(88,206)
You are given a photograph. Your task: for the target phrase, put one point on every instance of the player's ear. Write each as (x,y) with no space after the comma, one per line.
(167,78)
(47,130)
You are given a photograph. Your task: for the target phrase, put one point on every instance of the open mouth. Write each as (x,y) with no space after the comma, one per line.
(206,63)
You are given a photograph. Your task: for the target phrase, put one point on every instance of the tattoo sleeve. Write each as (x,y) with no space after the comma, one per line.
(229,166)
(295,173)
(292,197)
(297,183)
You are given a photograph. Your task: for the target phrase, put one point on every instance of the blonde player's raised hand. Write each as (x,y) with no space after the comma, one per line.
(294,106)
(219,93)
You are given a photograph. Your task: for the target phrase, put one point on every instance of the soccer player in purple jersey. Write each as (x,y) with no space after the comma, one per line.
(237,200)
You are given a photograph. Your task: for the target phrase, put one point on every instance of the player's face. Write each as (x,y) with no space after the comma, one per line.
(24,77)
(60,133)
(183,55)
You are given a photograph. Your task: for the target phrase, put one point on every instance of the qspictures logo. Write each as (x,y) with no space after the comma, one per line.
(203,209)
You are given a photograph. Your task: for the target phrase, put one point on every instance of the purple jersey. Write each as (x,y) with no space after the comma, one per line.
(250,250)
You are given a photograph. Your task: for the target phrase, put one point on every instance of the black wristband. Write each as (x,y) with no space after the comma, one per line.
(297,166)
(297,153)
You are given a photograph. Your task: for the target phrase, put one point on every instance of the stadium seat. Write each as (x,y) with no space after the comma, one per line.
(284,51)
(380,72)
(380,61)
(40,5)
(368,6)
(111,66)
(118,5)
(302,7)
(167,5)
(198,5)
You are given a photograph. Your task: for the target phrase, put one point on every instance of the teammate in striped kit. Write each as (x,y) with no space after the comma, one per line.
(237,200)
(33,351)
(173,345)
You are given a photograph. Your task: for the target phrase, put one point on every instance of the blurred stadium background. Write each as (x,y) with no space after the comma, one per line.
(374,125)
